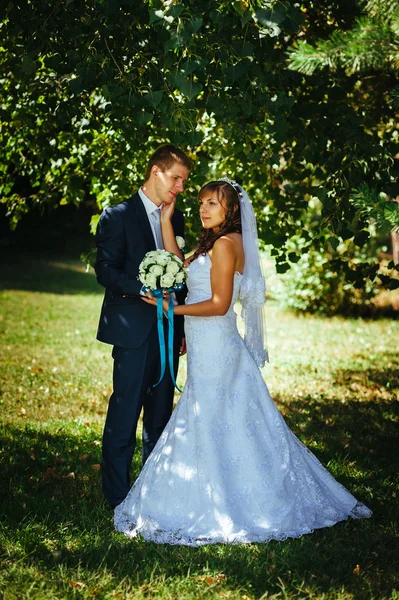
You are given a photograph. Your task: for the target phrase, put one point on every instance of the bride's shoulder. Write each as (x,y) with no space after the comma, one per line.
(225,241)
(230,237)
(229,240)
(230,243)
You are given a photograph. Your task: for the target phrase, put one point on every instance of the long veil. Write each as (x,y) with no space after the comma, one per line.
(253,286)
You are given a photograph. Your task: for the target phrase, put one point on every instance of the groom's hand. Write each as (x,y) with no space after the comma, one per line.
(150,299)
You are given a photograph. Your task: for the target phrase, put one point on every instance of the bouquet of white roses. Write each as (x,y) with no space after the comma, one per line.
(160,269)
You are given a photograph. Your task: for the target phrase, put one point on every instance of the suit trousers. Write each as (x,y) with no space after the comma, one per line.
(136,370)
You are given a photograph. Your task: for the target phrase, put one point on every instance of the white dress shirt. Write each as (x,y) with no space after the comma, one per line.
(150,207)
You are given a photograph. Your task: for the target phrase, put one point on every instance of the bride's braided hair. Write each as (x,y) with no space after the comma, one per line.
(229,198)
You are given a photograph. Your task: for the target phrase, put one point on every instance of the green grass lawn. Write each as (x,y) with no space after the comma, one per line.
(336,381)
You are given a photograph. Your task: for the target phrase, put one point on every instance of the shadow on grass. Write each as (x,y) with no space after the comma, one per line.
(53,276)
(43,501)
(387,377)
(366,432)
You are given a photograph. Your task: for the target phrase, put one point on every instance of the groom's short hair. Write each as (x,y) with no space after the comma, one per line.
(165,156)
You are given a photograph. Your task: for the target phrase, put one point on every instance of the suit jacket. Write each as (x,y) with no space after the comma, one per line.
(123,237)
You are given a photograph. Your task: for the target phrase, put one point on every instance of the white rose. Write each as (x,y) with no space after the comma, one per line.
(156,270)
(173,268)
(151,281)
(180,277)
(167,280)
(180,242)
(163,259)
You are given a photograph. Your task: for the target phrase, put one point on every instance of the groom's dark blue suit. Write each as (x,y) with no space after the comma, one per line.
(123,237)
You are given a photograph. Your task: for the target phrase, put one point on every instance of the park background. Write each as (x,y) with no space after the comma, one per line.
(299,103)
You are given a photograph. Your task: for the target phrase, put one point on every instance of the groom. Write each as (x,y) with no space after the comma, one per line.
(125,233)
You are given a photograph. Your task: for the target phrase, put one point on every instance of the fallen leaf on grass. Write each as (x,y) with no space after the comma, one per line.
(69,476)
(210,580)
(95,467)
(77,585)
(97,443)
(50,472)
(356,570)
(84,456)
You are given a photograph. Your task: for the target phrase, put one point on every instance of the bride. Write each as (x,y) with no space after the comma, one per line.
(227,468)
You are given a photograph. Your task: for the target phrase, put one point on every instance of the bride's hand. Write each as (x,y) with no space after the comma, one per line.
(168,210)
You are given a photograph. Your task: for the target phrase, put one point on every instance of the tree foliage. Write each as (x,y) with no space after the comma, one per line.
(372,43)
(89,89)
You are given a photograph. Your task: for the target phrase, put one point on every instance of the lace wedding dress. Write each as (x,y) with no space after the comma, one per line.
(227,468)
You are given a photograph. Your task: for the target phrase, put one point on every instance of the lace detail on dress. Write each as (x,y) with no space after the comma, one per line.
(227,468)
(150,532)
(254,290)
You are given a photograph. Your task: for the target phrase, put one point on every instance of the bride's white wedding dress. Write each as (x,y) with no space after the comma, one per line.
(227,468)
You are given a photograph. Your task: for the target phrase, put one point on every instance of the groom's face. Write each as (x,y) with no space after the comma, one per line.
(169,182)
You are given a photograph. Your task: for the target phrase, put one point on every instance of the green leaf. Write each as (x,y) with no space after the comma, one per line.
(276,15)
(176,10)
(156,15)
(194,25)
(246,18)
(234,72)
(76,85)
(28,65)
(282,267)
(153,98)
(333,241)
(190,89)
(293,257)
(190,65)
(247,49)
(191,139)
(361,238)
(143,118)
(177,39)
(345,232)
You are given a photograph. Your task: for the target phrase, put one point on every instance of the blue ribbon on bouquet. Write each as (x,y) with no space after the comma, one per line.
(158,293)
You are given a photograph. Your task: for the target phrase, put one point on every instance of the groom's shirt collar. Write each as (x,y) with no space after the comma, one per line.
(149,205)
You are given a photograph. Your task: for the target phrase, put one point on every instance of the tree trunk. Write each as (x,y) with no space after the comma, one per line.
(395,246)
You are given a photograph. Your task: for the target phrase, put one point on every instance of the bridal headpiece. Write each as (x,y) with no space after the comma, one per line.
(253,286)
